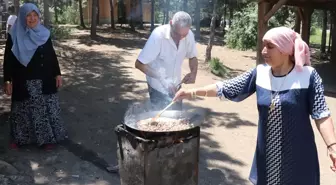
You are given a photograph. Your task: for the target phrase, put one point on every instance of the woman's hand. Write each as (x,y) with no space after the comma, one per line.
(332,155)
(58,81)
(8,88)
(183,94)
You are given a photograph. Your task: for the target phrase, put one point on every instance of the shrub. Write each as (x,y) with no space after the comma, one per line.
(243,32)
(60,32)
(217,67)
(69,15)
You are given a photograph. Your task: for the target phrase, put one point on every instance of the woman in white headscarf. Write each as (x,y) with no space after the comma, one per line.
(32,77)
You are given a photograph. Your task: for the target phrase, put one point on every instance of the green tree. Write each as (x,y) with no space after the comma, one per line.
(243,32)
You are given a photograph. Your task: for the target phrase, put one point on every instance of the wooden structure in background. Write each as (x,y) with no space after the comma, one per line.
(104,10)
(267,8)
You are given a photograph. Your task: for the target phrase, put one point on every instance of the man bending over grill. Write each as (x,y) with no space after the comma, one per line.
(162,57)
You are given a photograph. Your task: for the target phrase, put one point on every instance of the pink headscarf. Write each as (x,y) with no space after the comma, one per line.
(291,43)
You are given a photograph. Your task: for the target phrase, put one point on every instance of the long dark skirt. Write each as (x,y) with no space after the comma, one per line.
(37,120)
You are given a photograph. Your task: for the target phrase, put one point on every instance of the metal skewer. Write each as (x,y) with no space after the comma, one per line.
(159,114)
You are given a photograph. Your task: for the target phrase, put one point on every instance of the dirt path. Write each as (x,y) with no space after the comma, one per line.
(100,82)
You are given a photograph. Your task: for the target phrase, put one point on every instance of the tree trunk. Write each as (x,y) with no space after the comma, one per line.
(131,21)
(17,6)
(231,15)
(333,42)
(198,20)
(56,11)
(141,15)
(212,33)
(121,12)
(94,19)
(167,11)
(185,5)
(81,16)
(164,11)
(330,32)
(164,17)
(152,15)
(98,13)
(112,14)
(224,16)
(324,31)
(46,13)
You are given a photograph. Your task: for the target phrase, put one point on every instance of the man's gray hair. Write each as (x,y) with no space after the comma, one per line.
(182,19)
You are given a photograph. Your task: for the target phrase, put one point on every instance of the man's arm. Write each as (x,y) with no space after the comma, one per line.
(193,66)
(10,22)
(149,54)
(193,61)
(9,27)
(146,69)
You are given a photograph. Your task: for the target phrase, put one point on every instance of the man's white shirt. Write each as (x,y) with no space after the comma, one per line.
(10,21)
(163,56)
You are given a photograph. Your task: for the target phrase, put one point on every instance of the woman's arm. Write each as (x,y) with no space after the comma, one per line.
(236,89)
(326,129)
(208,91)
(7,64)
(321,114)
(319,109)
(56,67)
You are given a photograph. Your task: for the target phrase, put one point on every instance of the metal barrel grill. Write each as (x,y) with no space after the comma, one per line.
(159,158)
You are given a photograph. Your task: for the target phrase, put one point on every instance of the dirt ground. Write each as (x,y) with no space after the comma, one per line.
(100,82)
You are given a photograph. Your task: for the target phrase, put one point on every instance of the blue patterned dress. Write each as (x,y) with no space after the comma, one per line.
(286,153)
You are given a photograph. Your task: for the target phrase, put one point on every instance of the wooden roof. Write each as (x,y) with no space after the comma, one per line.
(316,4)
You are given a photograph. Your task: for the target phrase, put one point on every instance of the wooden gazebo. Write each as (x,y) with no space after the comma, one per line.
(267,8)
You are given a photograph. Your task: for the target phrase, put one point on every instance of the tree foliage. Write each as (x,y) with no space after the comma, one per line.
(244,31)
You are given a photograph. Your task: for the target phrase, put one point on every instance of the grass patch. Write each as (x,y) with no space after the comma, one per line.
(317,37)
(217,68)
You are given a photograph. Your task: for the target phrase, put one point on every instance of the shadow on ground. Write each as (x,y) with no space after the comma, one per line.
(205,36)
(210,174)
(120,38)
(128,40)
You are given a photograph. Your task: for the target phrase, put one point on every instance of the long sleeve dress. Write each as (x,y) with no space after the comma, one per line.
(35,110)
(286,153)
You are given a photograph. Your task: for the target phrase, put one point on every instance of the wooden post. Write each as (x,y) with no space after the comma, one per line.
(274,9)
(297,21)
(263,8)
(307,12)
(324,32)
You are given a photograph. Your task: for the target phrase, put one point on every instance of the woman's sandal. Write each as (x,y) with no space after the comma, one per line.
(48,147)
(13,146)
